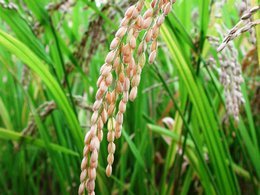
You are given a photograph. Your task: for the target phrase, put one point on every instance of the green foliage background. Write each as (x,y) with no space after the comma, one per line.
(220,156)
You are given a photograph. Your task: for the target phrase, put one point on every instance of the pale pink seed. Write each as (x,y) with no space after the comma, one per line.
(88,137)
(149,34)
(100,79)
(100,124)
(116,62)
(111,148)
(142,60)
(94,117)
(93,164)
(118,131)
(97,105)
(94,144)
(90,185)
(92,174)
(132,42)
(136,80)
(125,97)
(129,11)
(164,1)
(140,5)
(152,57)
(109,79)
(99,94)
(103,86)
(120,118)
(121,32)
(121,77)
(148,13)
(126,85)
(110,159)
(94,156)
(119,87)
(84,163)
(109,170)
(104,115)
(109,97)
(132,62)
(135,13)
(114,43)
(161,3)
(147,23)
(139,21)
(124,21)
(102,68)
(133,93)
(160,20)
(93,130)
(118,134)
(126,50)
(113,96)
(129,72)
(111,109)
(134,70)
(154,45)
(136,33)
(107,69)
(140,48)
(100,135)
(83,175)
(110,136)
(167,8)
(110,56)
(126,59)
(156,31)
(81,189)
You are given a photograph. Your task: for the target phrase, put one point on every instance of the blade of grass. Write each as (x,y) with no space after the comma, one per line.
(5,115)
(206,119)
(27,56)
(134,149)
(15,136)
(23,32)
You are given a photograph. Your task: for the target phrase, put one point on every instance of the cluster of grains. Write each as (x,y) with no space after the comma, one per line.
(245,22)
(119,80)
(230,77)
(230,73)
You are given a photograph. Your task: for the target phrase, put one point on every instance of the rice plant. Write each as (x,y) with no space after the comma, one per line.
(129,97)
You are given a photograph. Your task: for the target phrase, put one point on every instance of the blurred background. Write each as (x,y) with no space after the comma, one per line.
(178,137)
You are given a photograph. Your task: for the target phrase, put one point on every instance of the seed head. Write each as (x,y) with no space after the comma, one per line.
(109,170)
(118,82)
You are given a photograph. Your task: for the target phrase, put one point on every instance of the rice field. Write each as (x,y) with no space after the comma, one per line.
(153,97)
